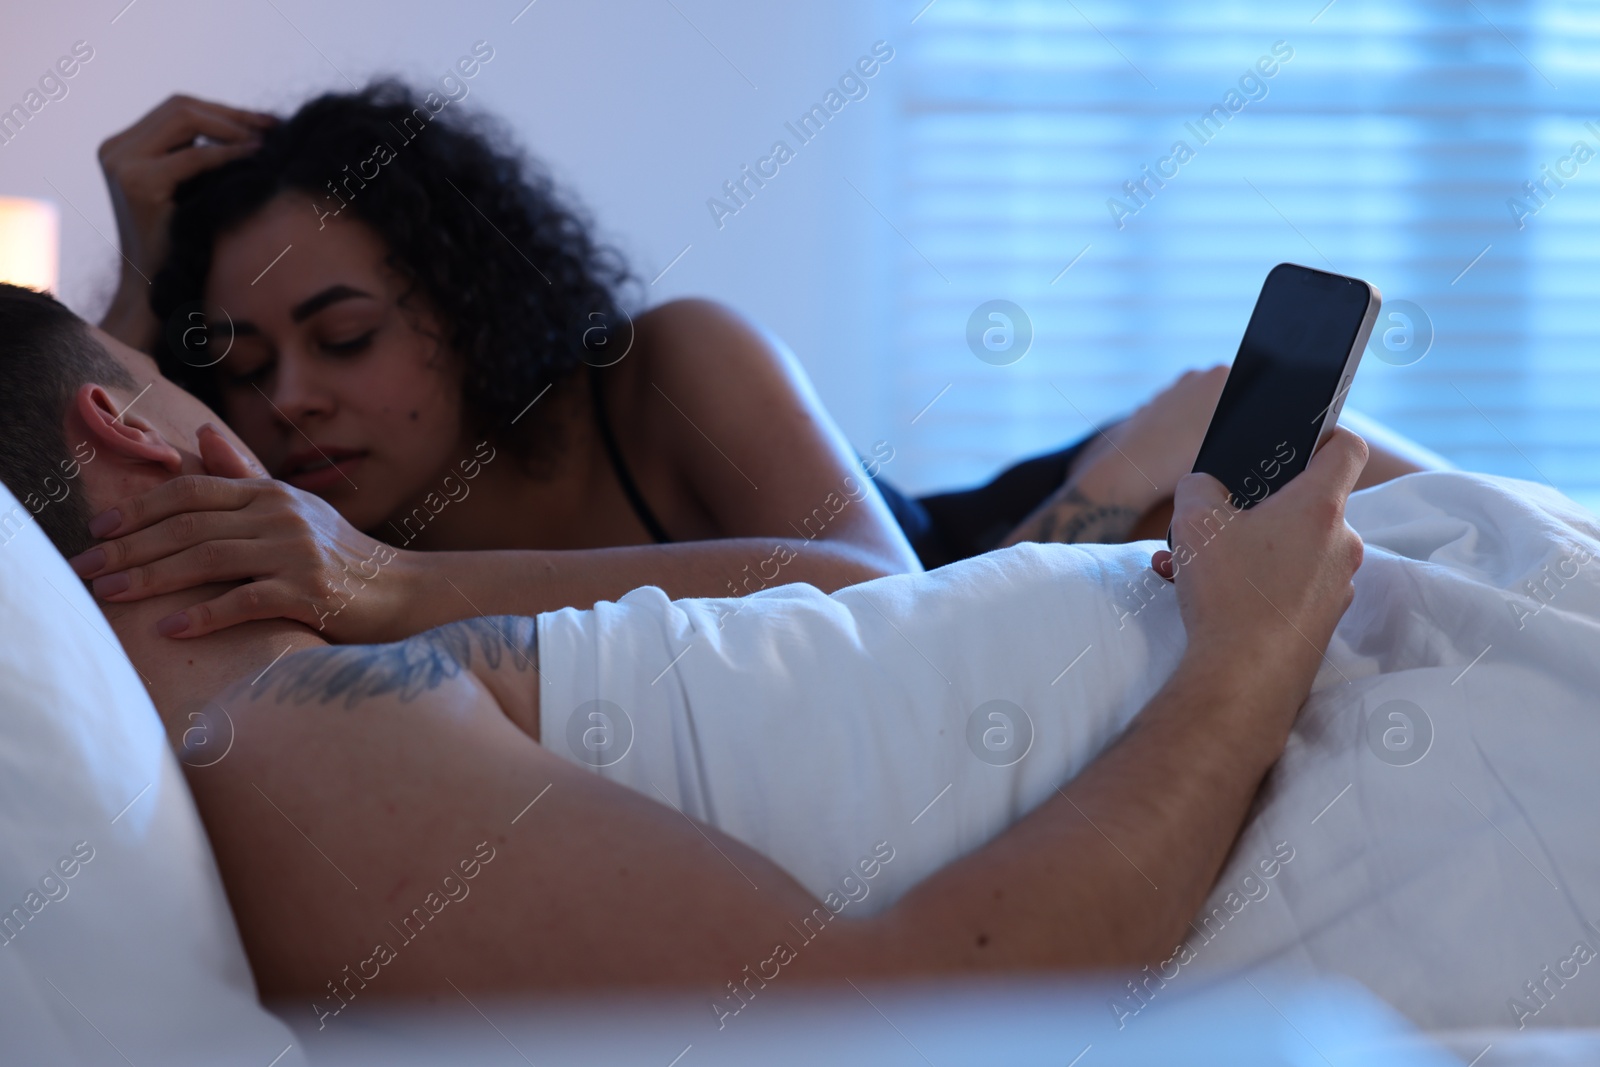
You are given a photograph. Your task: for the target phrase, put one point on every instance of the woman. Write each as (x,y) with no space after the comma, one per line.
(412,331)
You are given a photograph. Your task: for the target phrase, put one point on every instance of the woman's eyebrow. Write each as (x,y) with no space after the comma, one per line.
(331,295)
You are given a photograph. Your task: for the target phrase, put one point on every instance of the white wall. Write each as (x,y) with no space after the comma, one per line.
(627,102)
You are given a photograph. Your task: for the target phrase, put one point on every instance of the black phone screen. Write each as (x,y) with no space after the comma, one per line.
(1283,381)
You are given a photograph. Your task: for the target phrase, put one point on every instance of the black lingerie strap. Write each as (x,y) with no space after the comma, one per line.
(630,489)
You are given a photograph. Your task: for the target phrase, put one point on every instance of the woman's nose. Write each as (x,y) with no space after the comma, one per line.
(298,393)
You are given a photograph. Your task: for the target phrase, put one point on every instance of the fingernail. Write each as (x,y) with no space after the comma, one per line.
(112,584)
(173,625)
(104,523)
(86,563)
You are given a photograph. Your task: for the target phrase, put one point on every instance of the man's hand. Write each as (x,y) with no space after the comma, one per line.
(1260,592)
(144,165)
(1263,589)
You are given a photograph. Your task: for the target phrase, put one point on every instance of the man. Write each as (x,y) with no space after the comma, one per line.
(366,783)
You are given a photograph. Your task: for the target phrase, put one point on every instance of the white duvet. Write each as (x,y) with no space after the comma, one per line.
(1433,829)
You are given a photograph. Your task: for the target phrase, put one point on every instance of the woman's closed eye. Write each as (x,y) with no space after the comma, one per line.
(256,375)
(359,343)
(250,368)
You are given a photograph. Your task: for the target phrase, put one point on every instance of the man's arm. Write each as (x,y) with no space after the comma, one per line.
(1112,869)
(364,782)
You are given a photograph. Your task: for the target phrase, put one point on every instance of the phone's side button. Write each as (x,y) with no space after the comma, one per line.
(1344,390)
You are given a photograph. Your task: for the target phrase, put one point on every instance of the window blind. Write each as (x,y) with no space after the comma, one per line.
(1447,152)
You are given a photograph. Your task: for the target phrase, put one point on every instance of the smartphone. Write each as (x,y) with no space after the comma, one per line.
(1289,380)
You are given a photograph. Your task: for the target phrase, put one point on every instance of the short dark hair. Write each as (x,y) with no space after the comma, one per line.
(46,353)
(525,293)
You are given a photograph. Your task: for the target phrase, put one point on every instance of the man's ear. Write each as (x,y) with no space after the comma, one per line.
(120,431)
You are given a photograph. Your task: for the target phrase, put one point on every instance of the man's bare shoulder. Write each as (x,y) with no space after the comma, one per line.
(491,649)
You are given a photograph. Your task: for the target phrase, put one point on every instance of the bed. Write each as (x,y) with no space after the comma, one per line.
(1451,884)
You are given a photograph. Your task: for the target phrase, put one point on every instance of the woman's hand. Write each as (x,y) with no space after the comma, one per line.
(298,557)
(144,165)
(1131,469)
(1138,462)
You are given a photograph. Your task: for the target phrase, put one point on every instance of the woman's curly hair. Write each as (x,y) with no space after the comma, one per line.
(522,290)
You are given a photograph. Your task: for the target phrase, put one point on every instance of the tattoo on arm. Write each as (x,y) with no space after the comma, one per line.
(1072,518)
(406,668)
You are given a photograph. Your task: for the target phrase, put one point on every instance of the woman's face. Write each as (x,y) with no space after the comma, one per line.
(339,390)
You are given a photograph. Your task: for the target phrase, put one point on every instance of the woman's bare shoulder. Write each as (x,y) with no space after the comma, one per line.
(709,349)
(681,335)
(692,312)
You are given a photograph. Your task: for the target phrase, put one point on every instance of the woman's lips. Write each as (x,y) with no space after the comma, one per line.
(321,469)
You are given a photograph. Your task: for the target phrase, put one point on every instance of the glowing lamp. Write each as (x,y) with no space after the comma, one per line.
(30,242)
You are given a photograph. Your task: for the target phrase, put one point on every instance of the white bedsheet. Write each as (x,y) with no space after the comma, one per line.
(813,728)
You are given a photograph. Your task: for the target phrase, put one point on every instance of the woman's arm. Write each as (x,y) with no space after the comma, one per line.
(727,432)
(1130,468)
(433,588)
(310,566)
(1120,487)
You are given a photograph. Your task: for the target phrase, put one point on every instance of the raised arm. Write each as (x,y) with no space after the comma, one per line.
(414,833)
(144,165)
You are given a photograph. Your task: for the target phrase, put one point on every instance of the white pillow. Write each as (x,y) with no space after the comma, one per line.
(116,941)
